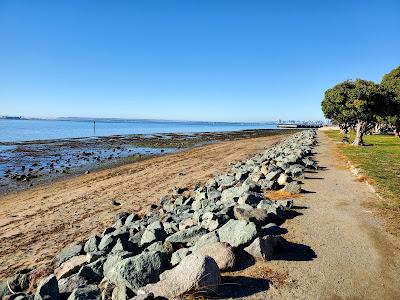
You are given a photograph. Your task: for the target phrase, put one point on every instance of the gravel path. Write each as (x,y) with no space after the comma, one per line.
(342,250)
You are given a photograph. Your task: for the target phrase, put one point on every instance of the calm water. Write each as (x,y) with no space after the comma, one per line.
(28,130)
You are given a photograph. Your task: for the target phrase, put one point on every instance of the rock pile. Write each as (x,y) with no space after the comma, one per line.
(183,243)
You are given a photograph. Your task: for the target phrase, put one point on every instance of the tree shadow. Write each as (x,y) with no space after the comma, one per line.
(240,286)
(295,252)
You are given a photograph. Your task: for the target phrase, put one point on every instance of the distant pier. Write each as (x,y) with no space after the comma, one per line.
(303,125)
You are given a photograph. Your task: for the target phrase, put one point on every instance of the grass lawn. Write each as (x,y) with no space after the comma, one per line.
(380,162)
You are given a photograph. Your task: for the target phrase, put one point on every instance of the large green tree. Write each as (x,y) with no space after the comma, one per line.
(354,103)
(391,83)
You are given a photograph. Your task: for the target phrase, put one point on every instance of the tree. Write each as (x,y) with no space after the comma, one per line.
(356,103)
(391,84)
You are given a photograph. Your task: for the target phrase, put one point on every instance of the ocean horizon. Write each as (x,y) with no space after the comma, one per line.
(19,130)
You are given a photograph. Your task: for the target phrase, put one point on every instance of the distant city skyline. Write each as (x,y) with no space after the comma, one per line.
(218,61)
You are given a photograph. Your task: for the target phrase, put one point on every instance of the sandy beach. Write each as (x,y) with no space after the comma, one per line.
(37,223)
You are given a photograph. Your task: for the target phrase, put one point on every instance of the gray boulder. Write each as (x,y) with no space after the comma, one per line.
(206,239)
(237,232)
(196,274)
(258,216)
(222,253)
(292,187)
(69,284)
(48,289)
(67,253)
(190,235)
(139,270)
(264,247)
(89,292)
(92,244)
(93,270)
(178,255)
(154,232)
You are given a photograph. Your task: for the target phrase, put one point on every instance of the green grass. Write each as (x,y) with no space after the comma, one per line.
(379,160)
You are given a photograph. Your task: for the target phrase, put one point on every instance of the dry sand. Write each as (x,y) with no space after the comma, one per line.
(36,224)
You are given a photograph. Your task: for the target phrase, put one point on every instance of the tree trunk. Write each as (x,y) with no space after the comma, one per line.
(360,130)
(397,129)
(344,128)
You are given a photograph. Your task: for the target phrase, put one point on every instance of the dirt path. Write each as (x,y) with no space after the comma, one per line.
(37,223)
(341,250)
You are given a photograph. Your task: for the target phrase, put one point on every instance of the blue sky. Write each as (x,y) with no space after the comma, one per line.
(189,60)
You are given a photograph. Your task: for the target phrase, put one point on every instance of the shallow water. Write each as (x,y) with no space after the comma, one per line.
(30,130)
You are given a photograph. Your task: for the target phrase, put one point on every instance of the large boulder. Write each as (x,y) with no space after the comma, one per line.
(89,292)
(258,216)
(264,247)
(206,239)
(237,232)
(137,271)
(195,274)
(48,289)
(154,232)
(190,235)
(222,253)
(292,188)
(67,253)
(69,284)
(70,267)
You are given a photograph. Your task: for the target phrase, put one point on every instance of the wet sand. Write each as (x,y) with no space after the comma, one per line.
(27,164)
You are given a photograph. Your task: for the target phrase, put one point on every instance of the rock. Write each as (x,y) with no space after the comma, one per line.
(92,244)
(287,203)
(48,289)
(178,255)
(272,175)
(292,187)
(283,179)
(113,259)
(258,216)
(265,204)
(137,271)
(190,235)
(67,253)
(206,239)
(89,292)
(67,285)
(237,233)
(70,267)
(195,274)
(145,296)
(115,203)
(20,281)
(154,232)
(94,270)
(264,247)
(222,253)
(231,195)
(250,198)
(109,240)
(121,292)
(187,223)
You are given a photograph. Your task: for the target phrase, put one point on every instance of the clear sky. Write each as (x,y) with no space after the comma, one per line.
(189,60)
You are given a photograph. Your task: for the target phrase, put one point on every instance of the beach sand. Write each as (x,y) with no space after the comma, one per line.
(37,223)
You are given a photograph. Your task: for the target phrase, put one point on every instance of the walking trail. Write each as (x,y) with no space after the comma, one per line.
(340,250)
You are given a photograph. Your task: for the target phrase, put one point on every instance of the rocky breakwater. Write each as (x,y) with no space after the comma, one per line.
(182,244)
